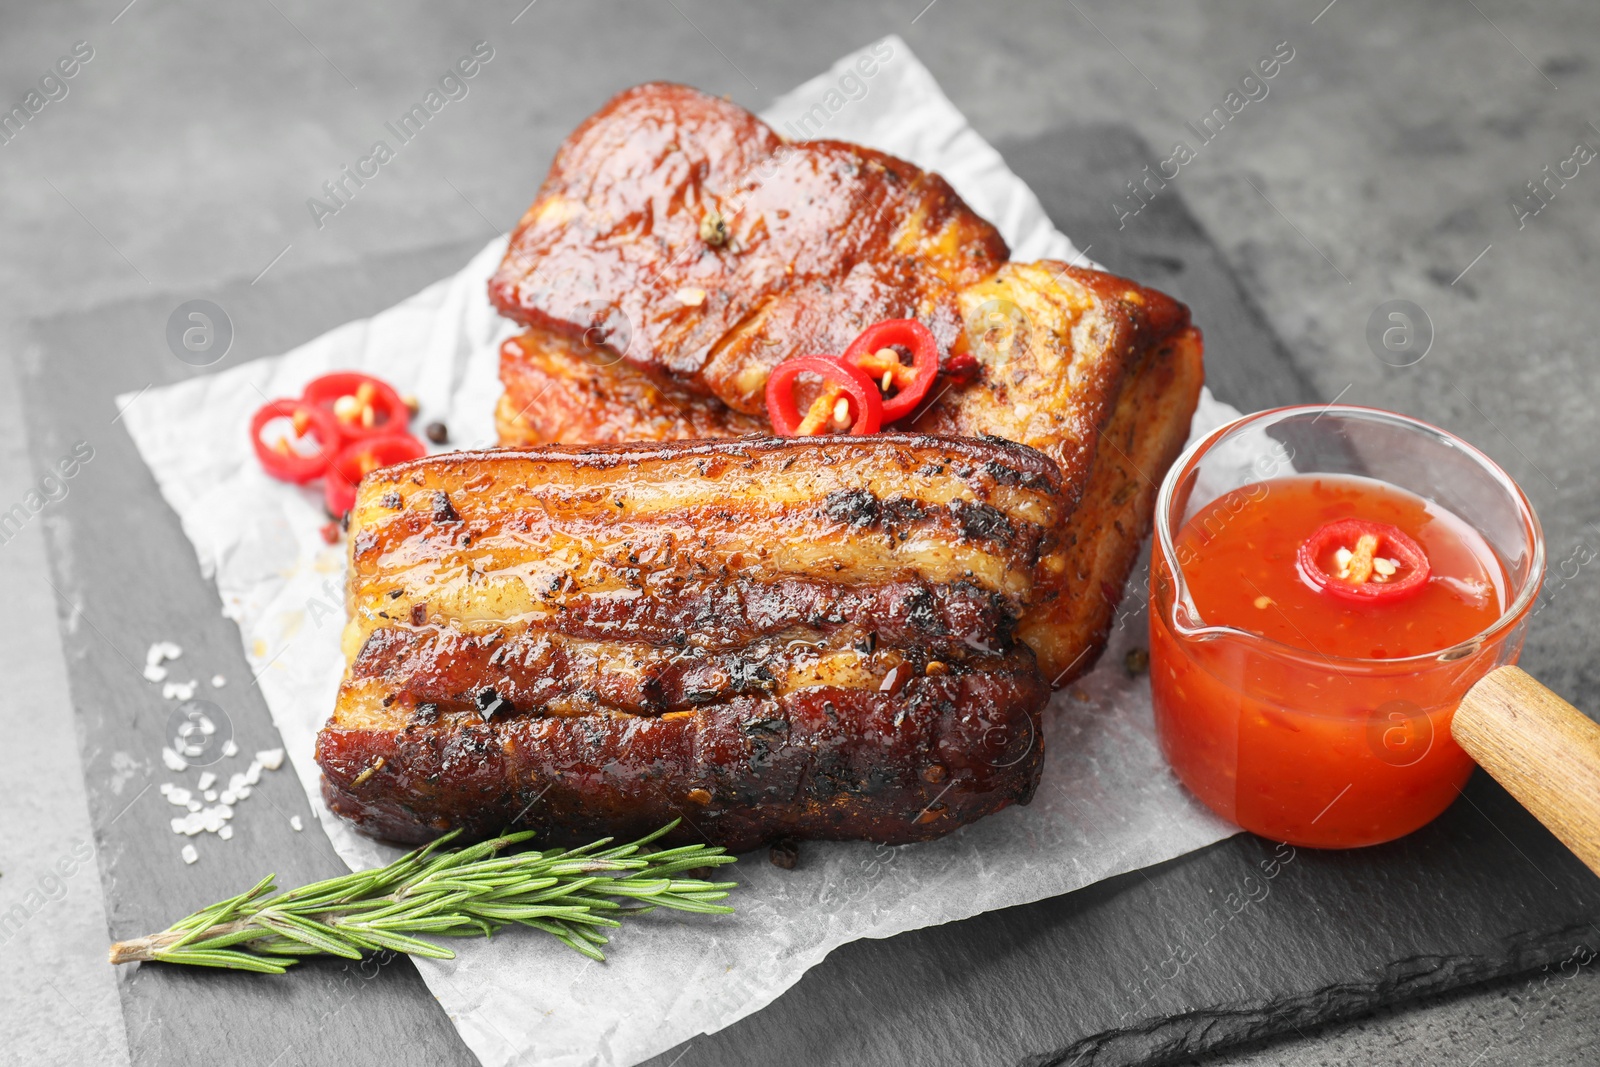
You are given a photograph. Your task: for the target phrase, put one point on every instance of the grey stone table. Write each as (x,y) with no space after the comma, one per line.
(1388,160)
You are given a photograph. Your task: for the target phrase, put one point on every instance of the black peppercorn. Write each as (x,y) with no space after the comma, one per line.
(785,853)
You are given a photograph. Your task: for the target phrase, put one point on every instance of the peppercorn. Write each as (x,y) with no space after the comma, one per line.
(785,853)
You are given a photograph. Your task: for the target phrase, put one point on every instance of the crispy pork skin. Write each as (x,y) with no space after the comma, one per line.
(769,638)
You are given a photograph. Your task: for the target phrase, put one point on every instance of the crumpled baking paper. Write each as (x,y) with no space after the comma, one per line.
(1107,803)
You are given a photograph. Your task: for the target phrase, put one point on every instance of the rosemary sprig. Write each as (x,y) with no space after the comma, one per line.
(571,894)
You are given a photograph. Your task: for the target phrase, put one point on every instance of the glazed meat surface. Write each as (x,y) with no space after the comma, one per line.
(770,638)
(562,391)
(706,249)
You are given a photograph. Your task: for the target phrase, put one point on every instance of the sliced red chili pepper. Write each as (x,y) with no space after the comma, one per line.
(363,406)
(840,381)
(280,457)
(1364,561)
(873,352)
(359,458)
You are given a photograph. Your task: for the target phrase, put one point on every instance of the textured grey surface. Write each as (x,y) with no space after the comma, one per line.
(1390,145)
(57,1003)
(118,594)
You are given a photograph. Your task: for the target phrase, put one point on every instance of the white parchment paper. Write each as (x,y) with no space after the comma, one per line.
(1107,803)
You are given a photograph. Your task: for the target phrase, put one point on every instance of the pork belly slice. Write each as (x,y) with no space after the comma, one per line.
(561,390)
(1102,375)
(707,249)
(770,638)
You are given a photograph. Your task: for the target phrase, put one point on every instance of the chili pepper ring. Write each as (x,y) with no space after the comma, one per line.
(856,387)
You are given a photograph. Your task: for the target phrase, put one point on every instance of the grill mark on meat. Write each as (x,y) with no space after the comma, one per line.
(983,522)
(853,507)
(541,673)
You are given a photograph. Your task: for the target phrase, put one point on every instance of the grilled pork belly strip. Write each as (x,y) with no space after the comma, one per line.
(808,637)
(685,233)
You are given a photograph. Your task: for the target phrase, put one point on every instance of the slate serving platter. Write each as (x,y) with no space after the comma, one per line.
(1240,940)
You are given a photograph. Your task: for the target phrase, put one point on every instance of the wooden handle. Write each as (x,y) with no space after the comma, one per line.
(1542,749)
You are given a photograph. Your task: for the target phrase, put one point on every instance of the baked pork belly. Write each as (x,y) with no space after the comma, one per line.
(706,249)
(680,249)
(810,638)
(1102,375)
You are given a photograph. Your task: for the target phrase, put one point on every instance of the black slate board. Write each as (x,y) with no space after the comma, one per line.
(1093,977)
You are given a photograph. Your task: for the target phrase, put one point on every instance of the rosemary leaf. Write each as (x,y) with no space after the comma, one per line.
(473,891)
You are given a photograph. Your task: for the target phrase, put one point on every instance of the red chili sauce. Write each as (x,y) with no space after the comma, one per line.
(1315,735)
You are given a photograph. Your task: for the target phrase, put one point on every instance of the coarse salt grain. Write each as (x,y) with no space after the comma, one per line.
(190,854)
(173,761)
(294,821)
(162,650)
(154,672)
(218,681)
(179,691)
(214,819)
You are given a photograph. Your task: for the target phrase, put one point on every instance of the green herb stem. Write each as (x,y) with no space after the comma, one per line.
(474,891)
